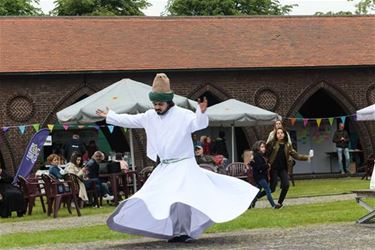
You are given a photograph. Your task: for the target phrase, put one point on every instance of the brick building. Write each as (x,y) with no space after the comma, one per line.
(314,66)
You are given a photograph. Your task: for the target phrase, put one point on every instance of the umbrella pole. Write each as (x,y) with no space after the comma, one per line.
(232,143)
(133,159)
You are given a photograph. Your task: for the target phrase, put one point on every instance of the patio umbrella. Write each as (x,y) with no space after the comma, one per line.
(125,96)
(233,113)
(366,114)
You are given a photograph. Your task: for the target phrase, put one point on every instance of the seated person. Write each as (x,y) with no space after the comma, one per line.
(200,157)
(75,167)
(203,159)
(92,167)
(11,198)
(55,171)
(123,164)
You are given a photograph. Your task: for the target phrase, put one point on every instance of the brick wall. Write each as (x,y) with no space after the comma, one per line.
(28,99)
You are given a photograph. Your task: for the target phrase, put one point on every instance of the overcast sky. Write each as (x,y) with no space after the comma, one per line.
(305,7)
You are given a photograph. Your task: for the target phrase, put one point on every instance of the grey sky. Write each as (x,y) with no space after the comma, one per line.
(305,7)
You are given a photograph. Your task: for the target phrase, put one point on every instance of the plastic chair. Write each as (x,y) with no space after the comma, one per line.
(238,170)
(92,190)
(54,198)
(31,190)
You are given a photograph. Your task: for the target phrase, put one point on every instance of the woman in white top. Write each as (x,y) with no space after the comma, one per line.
(75,167)
(271,136)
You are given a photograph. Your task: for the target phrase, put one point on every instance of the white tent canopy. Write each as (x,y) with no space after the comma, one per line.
(366,114)
(239,114)
(125,96)
(233,113)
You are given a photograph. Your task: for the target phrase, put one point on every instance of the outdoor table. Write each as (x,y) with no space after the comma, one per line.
(365,193)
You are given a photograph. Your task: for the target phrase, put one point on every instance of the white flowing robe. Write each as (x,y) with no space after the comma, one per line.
(210,197)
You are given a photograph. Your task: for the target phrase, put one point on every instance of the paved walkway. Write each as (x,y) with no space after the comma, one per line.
(332,236)
(89,220)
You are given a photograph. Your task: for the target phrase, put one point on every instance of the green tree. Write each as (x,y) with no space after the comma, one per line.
(19,8)
(330,13)
(226,7)
(364,7)
(100,7)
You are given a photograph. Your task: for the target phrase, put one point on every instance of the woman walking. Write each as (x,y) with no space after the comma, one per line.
(278,151)
(260,171)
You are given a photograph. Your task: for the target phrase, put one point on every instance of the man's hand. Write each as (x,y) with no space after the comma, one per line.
(203,104)
(102,113)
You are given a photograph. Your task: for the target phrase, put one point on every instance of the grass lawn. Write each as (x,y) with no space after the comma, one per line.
(303,188)
(290,216)
(317,187)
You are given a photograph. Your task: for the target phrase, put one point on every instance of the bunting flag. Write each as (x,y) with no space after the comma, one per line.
(293,120)
(343,118)
(22,129)
(331,120)
(50,127)
(110,128)
(305,122)
(36,127)
(318,121)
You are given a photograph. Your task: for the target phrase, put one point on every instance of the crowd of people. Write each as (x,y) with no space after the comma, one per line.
(269,160)
(180,199)
(75,158)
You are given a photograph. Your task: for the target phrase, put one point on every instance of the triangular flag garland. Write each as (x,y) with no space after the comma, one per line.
(305,122)
(50,127)
(22,129)
(36,127)
(331,120)
(318,121)
(293,120)
(110,128)
(343,118)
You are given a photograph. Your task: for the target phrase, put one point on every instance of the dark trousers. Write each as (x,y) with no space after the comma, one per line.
(283,175)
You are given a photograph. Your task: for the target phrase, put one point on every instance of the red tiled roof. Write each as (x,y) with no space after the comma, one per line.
(53,44)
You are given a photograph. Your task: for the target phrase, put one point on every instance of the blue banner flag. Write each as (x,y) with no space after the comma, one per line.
(32,153)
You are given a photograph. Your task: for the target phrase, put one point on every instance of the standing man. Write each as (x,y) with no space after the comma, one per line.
(179,200)
(341,138)
(74,145)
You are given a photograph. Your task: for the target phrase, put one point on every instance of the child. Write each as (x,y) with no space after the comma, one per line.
(260,171)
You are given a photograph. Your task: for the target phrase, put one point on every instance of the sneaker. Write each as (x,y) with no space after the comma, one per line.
(108,197)
(278,206)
